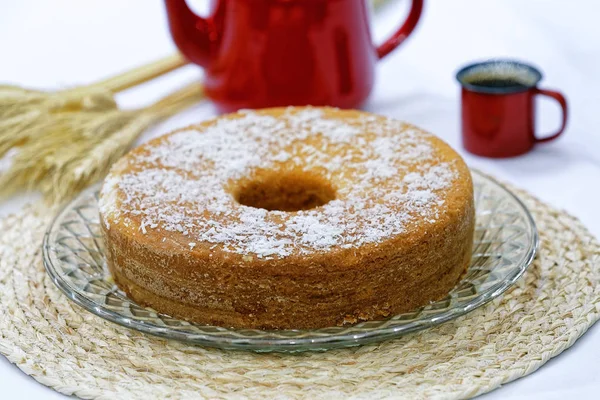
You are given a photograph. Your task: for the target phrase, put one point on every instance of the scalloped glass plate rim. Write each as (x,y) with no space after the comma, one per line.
(323,338)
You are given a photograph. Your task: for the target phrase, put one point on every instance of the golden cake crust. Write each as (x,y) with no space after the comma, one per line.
(385,227)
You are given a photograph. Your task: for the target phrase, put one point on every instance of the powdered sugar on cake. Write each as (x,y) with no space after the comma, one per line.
(386,175)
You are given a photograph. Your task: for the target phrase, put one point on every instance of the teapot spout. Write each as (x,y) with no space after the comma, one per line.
(196,37)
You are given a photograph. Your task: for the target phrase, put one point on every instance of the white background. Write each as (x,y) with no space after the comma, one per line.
(61,43)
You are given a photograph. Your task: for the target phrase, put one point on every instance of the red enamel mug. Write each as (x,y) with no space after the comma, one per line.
(498,108)
(267,53)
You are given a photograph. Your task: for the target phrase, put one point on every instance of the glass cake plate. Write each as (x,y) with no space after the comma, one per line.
(506,240)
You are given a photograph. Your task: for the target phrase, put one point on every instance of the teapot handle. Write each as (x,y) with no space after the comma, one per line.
(405,30)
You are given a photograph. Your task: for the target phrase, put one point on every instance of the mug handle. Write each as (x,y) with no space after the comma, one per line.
(405,30)
(563,104)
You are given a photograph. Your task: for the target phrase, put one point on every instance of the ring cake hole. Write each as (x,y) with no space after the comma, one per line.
(284,190)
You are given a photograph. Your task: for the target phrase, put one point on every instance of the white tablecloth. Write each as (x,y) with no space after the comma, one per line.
(60,43)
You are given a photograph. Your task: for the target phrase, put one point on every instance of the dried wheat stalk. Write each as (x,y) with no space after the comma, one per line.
(61,153)
(67,139)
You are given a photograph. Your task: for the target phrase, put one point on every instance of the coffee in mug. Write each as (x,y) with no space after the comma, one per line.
(498,108)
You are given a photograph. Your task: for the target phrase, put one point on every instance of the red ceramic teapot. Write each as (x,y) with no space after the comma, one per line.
(267,53)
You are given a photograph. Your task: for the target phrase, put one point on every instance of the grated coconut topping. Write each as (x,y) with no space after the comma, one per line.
(385,172)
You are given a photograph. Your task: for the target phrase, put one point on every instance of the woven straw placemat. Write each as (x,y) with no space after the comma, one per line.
(75,352)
